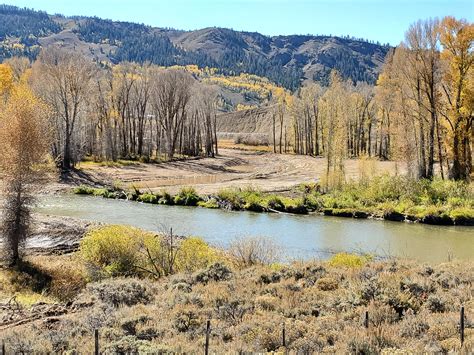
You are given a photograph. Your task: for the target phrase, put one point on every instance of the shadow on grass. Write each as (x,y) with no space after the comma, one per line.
(27,275)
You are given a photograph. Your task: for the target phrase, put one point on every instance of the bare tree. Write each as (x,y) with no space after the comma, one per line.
(170,98)
(63,80)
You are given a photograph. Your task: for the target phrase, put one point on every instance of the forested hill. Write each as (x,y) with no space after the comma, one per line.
(286,60)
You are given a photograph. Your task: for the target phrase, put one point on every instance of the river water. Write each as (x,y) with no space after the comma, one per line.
(300,237)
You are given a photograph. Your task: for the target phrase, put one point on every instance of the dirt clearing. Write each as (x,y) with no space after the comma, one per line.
(263,170)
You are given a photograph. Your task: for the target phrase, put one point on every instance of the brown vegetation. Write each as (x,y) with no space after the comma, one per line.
(24,136)
(322,306)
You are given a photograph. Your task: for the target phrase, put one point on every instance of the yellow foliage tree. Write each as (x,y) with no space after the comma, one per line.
(24,146)
(6,80)
(457,40)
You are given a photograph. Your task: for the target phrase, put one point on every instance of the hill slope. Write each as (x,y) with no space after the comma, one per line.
(286,60)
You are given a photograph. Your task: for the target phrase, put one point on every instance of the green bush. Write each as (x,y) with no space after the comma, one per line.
(275,203)
(210,203)
(463,216)
(295,205)
(148,198)
(103,192)
(253,202)
(83,190)
(187,196)
(231,196)
(166,198)
(99,192)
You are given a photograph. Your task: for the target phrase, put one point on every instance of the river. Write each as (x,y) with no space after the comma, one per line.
(300,237)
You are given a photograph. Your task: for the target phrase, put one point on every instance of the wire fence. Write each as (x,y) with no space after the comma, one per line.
(208,331)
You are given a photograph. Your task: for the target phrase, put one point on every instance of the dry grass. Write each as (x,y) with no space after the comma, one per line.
(43,278)
(231,144)
(411,307)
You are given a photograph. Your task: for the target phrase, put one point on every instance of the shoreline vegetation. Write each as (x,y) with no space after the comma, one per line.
(393,198)
(156,295)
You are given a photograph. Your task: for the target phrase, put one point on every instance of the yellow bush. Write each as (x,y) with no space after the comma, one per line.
(349,260)
(124,251)
(195,254)
(115,250)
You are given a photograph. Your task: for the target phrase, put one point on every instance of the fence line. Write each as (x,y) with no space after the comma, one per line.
(462,326)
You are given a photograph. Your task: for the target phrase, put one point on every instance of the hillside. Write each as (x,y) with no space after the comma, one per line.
(286,60)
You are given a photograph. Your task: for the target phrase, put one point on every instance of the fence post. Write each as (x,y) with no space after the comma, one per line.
(283,336)
(96,342)
(366,320)
(208,332)
(461,325)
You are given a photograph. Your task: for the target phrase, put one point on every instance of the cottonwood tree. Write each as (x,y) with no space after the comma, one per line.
(306,121)
(333,110)
(418,87)
(63,80)
(19,66)
(6,81)
(457,41)
(24,143)
(422,43)
(204,102)
(170,95)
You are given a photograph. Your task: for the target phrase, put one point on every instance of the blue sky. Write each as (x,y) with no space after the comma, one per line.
(378,20)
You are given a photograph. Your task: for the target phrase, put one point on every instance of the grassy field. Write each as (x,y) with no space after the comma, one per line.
(247,297)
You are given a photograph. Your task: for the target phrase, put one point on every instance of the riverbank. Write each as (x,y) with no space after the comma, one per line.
(321,305)
(55,234)
(393,198)
(303,237)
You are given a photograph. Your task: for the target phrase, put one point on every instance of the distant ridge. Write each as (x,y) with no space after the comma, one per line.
(286,60)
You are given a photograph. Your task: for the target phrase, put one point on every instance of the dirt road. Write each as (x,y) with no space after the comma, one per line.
(239,168)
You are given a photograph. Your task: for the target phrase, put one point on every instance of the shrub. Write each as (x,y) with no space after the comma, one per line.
(166,198)
(254,139)
(83,190)
(296,206)
(148,198)
(231,197)
(267,302)
(115,250)
(122,291)
(216,272)
(186,320)
(128,251)
(195,254)
(67,276)
(274,202)
(103,192)
(253,202)
(327,284)
(349,260)
(210,203)
(463,216)
(132,345)
(187,196)
(253,251)
(133,194)
(435,304)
